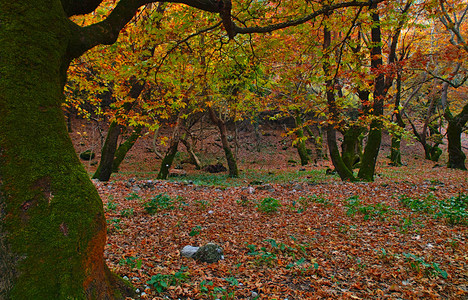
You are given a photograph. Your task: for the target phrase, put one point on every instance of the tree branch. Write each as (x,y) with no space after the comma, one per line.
(324,10)
(79,7)
(107,31)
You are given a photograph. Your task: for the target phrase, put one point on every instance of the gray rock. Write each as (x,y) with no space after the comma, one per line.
(188,251)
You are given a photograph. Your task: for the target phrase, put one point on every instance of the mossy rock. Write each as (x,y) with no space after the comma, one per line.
(87,155)
(209,253)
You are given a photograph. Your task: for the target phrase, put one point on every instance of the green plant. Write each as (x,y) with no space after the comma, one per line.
(453,210)
(132,262)
(111,206)
(195,230)
(419,264)
(161,282)
(127,212)
(355,206)
(113,224)
(268,205)
(202,204)
(132,196)
(159,202)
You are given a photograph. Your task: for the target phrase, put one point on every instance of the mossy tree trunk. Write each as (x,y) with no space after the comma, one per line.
(108,151)
(395,149)
(123,149)
(171,152)
(52,223)
(345,173)
(231,160)
(374,138)
(351,146)
(301,140)
(52,227)
(318,141)
(454,130)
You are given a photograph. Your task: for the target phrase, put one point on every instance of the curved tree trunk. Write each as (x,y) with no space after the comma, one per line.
(123,149)
(454,131)
(345,173)
(231,160)
(104,170)
(52,224)
(171,152)
(301,145)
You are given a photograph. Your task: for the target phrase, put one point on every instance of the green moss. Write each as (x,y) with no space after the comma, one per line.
(54,217)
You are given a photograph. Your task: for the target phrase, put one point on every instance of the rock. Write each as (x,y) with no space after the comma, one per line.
(188,251)
(209,253)
(87,155)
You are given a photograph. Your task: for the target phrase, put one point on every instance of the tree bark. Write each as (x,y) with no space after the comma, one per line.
(104,170)
(123,149)
(231,160)
(454,131)
(301,145)
(52,224)
(171,152)
(345,173)
(374,138)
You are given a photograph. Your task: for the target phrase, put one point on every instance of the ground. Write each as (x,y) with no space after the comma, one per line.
(288,232)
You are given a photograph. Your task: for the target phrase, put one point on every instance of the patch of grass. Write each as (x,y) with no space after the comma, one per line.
(255,176)
(355,206)
(158,203)
(268,205)
(453,210)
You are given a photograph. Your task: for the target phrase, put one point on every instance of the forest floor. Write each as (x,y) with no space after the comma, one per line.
(403,236)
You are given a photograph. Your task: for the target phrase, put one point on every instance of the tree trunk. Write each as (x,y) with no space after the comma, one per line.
(193,157)
(104,170)
(343,171)
(351,146)
(171,152)
(123,149)
(395,152)
(374,138)
(454,131)
(231,160)
(52,224)
(301,145)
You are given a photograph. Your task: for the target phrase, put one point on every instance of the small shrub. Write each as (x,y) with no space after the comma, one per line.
(268,205)
(195,230)
(159,202)
(355,206)
(162,282)
(128,212)
(418,264)
(131,262)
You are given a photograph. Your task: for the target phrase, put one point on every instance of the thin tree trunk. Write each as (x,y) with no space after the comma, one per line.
(343,171)
(171,152)
(104,170)
(231,160)
(300,142)
(123,149)
(374,138)
(395,150)
(193,157)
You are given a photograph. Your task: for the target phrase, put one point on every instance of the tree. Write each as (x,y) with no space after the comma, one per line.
(52,228)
